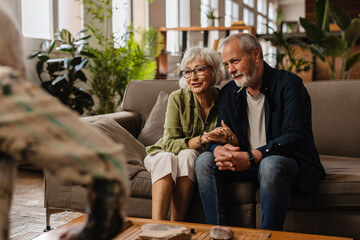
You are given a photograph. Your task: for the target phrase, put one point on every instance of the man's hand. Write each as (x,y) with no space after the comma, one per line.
(229,157)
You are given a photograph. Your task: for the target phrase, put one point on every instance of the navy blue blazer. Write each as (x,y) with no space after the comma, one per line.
(287,121)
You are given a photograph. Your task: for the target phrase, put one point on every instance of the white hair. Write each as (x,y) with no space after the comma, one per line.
(210,57)
(11,46)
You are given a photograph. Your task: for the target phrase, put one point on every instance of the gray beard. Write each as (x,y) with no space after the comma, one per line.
(246,81)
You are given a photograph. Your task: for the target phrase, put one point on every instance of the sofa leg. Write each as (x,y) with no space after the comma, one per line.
(48,213)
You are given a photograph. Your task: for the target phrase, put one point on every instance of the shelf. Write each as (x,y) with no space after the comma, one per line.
(162,58)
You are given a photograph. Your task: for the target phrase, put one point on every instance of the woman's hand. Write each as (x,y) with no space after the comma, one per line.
(223,135)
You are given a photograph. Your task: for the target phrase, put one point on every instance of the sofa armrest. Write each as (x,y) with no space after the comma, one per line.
(131,121)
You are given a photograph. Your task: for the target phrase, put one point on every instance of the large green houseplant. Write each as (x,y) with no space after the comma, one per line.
(328,45)
(60,67)
(117,60)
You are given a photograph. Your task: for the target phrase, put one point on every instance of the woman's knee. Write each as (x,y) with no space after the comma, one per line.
(188,155)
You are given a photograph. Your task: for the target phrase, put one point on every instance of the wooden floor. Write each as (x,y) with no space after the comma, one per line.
(27,214)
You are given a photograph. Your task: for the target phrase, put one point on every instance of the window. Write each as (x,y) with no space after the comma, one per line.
(261,7)
(248,17)
(261,25)
(231,12)
(121,17)
(249,3)
(36,18)
(205,6)
(228,13)
(172,21)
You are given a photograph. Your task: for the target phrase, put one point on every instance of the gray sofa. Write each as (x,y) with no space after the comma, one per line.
(334,209)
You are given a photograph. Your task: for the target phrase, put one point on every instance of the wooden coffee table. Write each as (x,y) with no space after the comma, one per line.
(201,231)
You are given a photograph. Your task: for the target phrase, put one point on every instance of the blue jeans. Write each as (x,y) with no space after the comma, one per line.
(276,176)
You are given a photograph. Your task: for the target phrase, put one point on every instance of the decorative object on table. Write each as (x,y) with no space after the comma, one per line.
(152,231)
(211,17)
(118,59)
(60,75)
(328,45)
(221,233)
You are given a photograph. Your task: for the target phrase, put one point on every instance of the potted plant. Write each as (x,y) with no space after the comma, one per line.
(329,46)
(60,67)
(211,17)
(286,56)
(117,60)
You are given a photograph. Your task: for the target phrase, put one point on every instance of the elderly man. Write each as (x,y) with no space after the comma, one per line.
(37,128)
(269,111)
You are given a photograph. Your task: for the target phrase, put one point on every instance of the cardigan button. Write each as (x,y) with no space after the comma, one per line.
(267,150)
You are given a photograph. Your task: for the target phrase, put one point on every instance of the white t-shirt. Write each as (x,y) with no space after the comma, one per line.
(256,120)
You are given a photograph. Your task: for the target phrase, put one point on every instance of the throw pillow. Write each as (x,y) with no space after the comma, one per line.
(133,150)
(154,126)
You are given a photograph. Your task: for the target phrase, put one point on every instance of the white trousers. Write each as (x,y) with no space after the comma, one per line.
(163,163)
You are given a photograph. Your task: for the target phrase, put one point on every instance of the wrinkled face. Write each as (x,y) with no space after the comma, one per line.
(239,64)
(200,80)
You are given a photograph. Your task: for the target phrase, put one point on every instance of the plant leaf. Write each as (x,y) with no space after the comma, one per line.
(56,60)
(341,17)
(318,51)
(66,36)
(52,45)
(82,64)
(67,63)
(351,61)
(43,57)
(59,78)
(352,33)
(44,45)
(35,54)
(79,49)
(313,32)
(320,10)
(325,22)
(85,37)
(333,45)
(65,47)
(39,69)
(81,31)
(87,54)
(80,75)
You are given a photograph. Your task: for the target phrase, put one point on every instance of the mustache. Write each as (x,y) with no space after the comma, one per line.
(234,75)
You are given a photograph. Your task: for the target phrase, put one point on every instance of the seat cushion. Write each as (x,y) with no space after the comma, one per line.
(339,189)
(133,150)
(154,126)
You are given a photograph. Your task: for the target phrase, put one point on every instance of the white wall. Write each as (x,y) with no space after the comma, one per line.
(292,9)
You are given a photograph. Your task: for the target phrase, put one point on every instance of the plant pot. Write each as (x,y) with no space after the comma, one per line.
(211,22)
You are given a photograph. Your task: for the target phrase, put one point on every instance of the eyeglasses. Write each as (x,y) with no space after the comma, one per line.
(199,71)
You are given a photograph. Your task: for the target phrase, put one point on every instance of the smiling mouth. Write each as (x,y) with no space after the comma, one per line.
(196,84)
(237,75)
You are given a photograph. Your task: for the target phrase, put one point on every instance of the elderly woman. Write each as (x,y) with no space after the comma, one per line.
(191,116)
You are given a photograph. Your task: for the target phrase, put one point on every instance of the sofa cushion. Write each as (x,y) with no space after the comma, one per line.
(335,116)
(133,150)
(154,126)
(339,189)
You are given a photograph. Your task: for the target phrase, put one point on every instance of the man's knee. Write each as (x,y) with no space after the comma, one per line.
(277,169)
(204,160)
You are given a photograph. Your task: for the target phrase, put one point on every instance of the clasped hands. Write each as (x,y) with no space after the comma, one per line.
(229,157)
(222,135)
